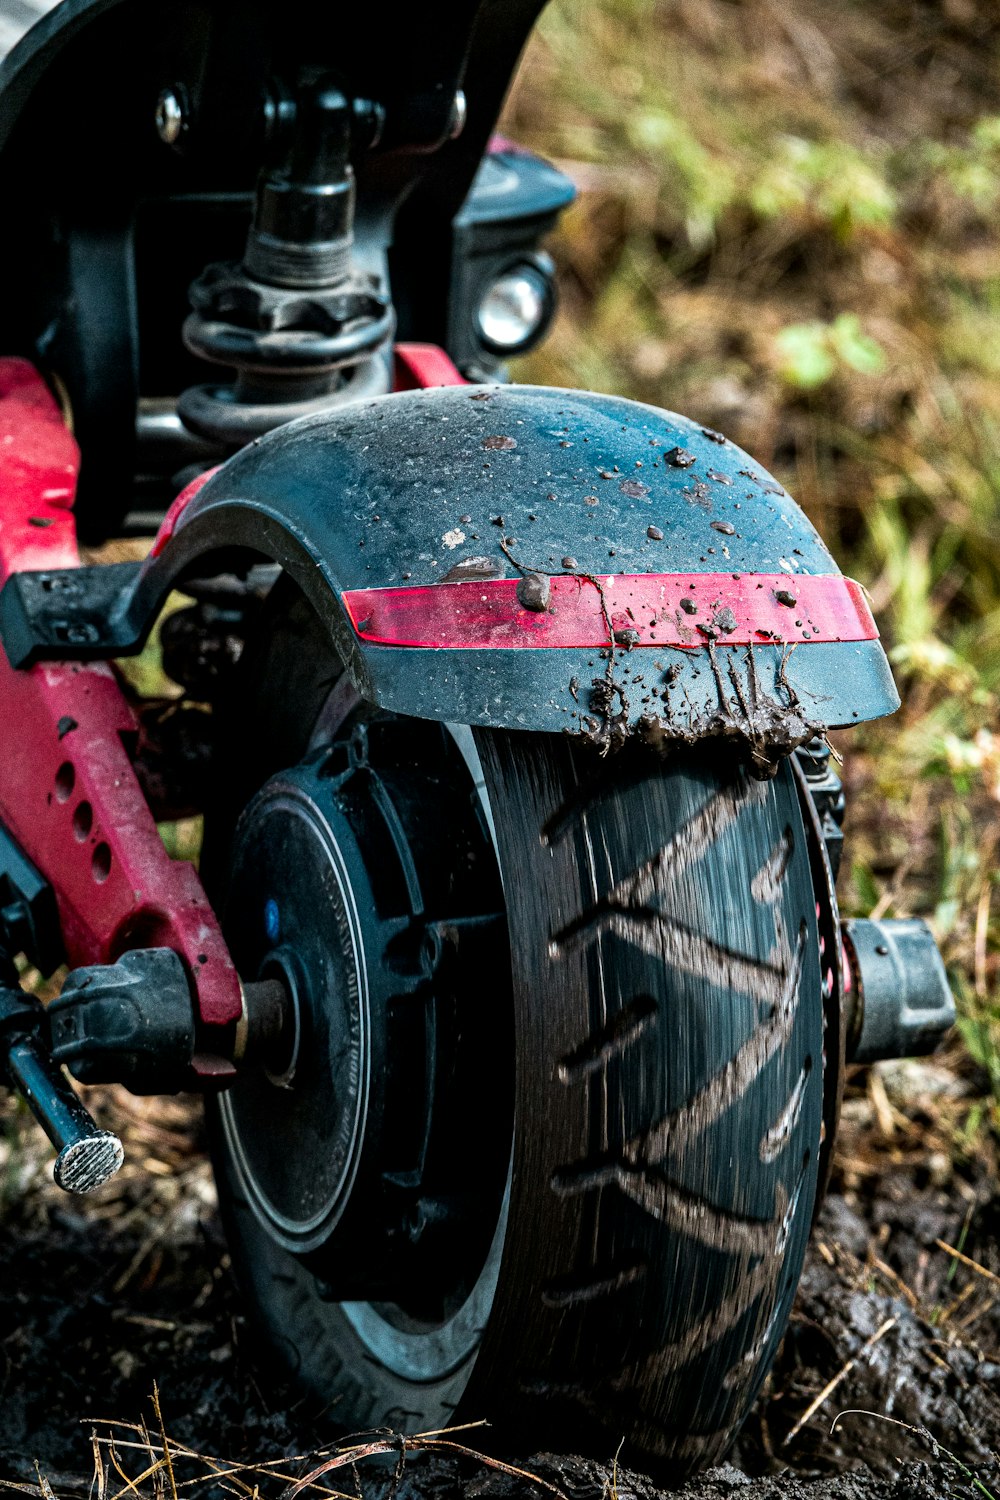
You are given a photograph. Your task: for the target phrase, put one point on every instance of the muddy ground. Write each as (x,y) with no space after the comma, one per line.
(103,1297)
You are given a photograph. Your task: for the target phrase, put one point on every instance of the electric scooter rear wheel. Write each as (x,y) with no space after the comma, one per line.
(541,1140)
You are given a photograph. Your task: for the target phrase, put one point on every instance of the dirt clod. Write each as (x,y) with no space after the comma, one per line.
(533,591)
(679,458)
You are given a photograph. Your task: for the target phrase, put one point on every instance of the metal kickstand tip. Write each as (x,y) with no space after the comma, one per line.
(89,1163)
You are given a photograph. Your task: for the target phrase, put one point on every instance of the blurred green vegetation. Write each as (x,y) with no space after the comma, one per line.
(789,228)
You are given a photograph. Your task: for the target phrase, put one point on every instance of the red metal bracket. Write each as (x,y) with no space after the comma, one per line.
(68,793)
(420,366)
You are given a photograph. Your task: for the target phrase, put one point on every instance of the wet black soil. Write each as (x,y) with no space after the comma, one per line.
(102,1298)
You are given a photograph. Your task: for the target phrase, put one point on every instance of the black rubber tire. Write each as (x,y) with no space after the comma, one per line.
(668,1024)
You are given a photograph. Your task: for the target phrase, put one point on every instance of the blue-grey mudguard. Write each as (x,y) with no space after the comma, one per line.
(399,490)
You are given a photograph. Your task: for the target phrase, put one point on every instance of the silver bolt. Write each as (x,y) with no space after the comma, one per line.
(170,116)
(459,115)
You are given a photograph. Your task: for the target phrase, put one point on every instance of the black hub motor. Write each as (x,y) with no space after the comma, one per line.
(556,1169)
(373,1141)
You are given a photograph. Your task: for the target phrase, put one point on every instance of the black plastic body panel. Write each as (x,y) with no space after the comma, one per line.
(111,224)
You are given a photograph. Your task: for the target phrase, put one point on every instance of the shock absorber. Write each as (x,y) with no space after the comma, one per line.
(298,320)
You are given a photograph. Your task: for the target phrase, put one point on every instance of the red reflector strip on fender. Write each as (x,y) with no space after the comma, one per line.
(663,609)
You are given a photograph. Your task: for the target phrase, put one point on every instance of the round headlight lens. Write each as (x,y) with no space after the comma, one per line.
(513,309)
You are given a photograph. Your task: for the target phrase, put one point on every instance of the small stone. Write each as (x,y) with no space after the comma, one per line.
(502,444)
(680,458)
(784,597)
(591,500)
(725,621)
(726,527)
(569,563)
(533,592)
(627,638)
(689,607)
(654,533)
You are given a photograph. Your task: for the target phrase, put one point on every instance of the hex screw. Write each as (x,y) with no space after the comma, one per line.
(171,114)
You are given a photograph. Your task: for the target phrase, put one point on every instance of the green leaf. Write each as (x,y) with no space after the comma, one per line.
(854,347)
(806,358)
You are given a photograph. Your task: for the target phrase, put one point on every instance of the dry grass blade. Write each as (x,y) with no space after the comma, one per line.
(841,1374)
(163,1456)
(459,1427)
(131,1485)
(490,1463)
(614,1471)
(348,1456)
(220,1469)
(966,1260)
(422,1442)
(43,1484)
(166,1444)
(925,1435)
(884,1269)
(100,1480)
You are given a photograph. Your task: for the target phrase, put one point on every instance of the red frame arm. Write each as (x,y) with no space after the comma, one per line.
(68,793)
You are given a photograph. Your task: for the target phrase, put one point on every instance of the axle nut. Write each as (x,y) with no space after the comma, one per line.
(899,1001)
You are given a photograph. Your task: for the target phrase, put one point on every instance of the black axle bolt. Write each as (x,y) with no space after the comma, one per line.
(899,1002)
(265,1030)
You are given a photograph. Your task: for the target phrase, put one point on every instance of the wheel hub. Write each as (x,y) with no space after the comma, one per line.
(374,1136)
(298,1150)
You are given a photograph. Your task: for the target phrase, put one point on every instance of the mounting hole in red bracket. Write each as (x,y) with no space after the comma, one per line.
(83,820)
(100,863)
